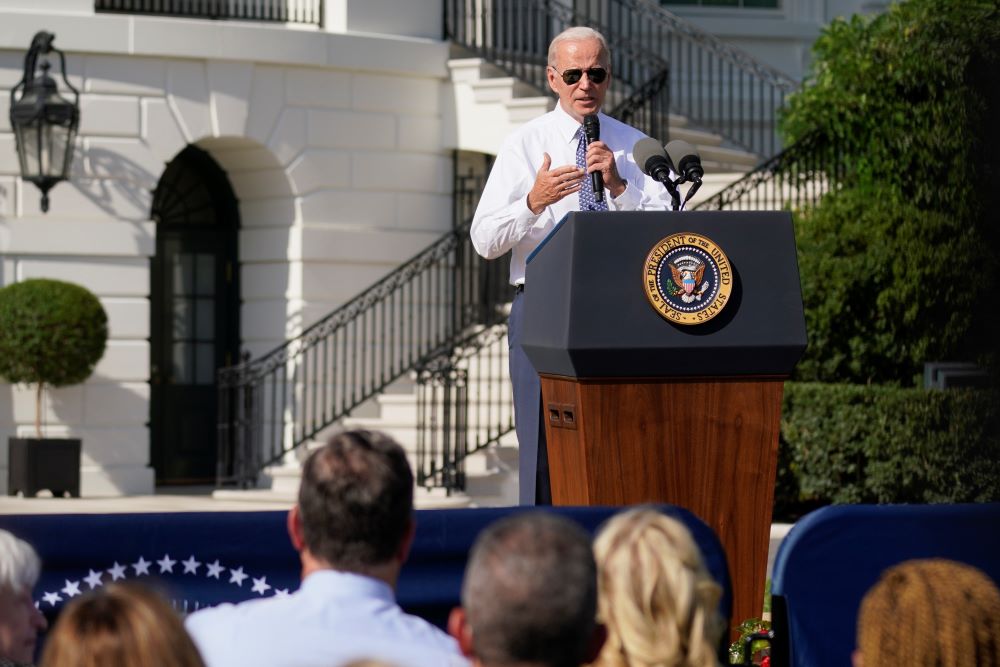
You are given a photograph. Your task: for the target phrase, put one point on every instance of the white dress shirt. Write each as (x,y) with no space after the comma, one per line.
(503,220)
(334,618)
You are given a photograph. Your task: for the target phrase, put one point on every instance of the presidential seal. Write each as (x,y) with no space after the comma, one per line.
(687,278)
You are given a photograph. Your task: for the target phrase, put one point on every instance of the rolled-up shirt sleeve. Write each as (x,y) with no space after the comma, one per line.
(503,222)
(503,218)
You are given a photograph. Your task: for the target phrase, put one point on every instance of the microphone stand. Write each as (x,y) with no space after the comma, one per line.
(695,184)
(671,186)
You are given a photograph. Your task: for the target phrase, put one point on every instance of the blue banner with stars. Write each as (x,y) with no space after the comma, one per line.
(196,559)
(201,559)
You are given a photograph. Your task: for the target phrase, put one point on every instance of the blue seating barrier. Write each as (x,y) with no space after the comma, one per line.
(833,556)
(201,559)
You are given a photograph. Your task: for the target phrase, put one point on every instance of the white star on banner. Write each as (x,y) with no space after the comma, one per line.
(190,565)
(72,588)
(52,598)
(117,572)
(236,576)
(166,564)
(260,585)
(93,579)
(214,569)
(141,566)
(281,592)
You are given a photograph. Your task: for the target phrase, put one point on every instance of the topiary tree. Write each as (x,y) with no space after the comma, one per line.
(51,333)
(900,264)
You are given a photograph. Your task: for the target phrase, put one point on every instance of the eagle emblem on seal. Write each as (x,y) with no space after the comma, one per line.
(688,272)
(687,278)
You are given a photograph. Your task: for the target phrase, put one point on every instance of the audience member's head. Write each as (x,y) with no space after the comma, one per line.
(932,612)
(529,594)
(119,625)
(657,600)
(20,621)
(355,507)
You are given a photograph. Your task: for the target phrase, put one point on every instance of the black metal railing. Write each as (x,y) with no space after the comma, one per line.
(464,406)
(283,11)
(514,35)
(716,85)
(271,405)
(794,179)
(442,408)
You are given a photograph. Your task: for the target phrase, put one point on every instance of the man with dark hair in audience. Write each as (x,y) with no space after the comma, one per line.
(530,595)
(353,528)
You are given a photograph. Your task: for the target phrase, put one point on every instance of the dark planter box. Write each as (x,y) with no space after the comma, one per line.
(44,463)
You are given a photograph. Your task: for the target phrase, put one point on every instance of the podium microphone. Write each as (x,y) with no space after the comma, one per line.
(685,158)
(592,132)
(649,155)
(688,162)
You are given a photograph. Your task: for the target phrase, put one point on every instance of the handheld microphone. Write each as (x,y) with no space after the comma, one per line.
(685,158)
(592,132)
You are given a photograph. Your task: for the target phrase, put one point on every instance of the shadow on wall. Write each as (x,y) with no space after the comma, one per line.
(109,416)
(117,178)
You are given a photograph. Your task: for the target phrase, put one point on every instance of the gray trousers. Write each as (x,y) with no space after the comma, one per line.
(532,454)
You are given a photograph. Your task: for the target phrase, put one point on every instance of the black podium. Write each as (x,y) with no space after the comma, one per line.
(663,340)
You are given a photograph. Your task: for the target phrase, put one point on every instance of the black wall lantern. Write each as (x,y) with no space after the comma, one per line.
(44,122)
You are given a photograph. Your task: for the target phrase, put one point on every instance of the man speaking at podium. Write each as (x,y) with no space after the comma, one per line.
(573,158)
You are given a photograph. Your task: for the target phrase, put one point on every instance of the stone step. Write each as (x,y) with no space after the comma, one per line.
(501,89)
(695,137)
(523,109)
(466,70)
(721,157)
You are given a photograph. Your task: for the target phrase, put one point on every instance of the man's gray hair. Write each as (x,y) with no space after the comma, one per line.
(530,591)
(579,34)
(19,564)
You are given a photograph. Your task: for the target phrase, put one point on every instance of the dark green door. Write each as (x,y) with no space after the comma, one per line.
(195,314)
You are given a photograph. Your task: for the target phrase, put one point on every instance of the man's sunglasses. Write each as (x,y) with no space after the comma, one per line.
(571,76)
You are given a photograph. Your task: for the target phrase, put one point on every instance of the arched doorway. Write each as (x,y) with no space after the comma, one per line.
(194,313)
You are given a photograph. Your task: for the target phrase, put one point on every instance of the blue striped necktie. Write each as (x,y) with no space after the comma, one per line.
(587,201)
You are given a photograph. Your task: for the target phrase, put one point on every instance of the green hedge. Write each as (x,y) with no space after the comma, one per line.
(878,444)
(881,289)
(900,265)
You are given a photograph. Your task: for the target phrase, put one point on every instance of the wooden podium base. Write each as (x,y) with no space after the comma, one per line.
(708,445)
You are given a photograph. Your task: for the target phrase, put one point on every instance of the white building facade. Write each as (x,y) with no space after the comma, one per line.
(236,180)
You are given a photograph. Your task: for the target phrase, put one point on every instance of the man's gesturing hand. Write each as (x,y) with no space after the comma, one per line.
(551,186)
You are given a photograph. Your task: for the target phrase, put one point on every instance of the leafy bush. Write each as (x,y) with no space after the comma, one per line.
(909,93)
(901,265)
(51,333)
(886,286)
(871,444)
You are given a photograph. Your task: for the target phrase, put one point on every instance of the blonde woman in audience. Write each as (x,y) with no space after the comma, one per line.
(656,597)
(932,612)
(120,625)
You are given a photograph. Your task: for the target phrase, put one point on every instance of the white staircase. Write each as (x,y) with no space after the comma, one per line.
(484,105)
(491,475)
